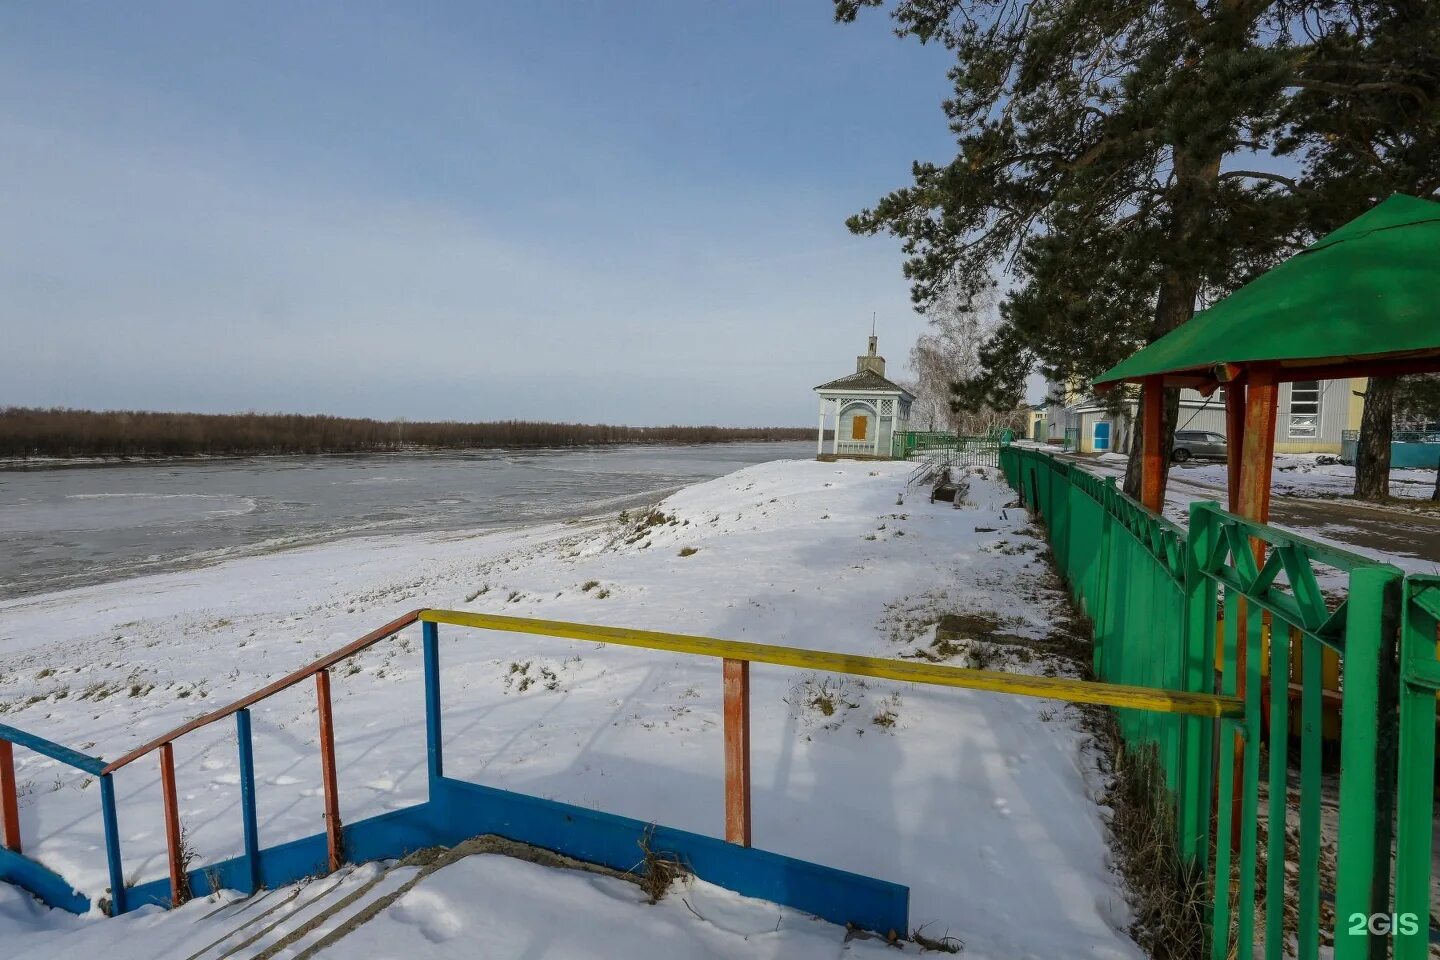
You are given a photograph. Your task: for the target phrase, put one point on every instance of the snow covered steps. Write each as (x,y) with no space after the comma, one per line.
(299,923)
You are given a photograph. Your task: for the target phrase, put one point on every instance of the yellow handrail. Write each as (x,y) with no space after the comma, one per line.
(1055,688)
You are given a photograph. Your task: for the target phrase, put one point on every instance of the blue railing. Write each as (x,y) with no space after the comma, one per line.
(19,869)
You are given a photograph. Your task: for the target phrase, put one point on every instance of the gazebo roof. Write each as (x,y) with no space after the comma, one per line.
(1363,300)
(864,380)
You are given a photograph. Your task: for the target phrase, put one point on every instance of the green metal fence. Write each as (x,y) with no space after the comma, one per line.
(952,450)
(1415,805)
(1196,610)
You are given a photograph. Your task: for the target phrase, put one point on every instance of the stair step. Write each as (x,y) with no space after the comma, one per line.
(256,925)
(338,915)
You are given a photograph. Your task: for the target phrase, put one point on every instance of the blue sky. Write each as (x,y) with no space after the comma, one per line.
(624,212)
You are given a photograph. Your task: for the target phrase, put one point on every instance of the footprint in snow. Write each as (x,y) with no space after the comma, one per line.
(430,913)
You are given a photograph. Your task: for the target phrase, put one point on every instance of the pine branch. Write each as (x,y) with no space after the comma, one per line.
(1259,175)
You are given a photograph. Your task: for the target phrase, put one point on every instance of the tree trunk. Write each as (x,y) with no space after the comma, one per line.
(1372,452)
(1171,410)
(1175,303)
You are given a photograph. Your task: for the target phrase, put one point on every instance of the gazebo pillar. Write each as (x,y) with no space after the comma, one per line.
(1257,450)
(1234,440)
(1152,465)
(1250,498)
(820,438)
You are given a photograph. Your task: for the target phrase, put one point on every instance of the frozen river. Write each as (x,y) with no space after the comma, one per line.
(68,527)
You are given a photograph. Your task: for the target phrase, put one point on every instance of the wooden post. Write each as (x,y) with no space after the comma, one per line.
(1257,446)
(737,751)
(1252,501)
(179,883)
(327,770)
(1234,440)
(9,798)
(1152,464)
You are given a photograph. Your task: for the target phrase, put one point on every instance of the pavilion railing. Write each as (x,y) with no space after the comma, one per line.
(950,449)
(1195,610)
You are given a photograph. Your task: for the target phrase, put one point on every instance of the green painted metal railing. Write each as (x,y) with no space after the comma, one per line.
(1415,804)
(1196,609)
(955,451)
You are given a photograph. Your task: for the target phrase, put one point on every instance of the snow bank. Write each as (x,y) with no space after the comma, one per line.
(986,806)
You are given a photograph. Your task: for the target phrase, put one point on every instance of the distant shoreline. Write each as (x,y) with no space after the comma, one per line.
(134,460)
(35,436)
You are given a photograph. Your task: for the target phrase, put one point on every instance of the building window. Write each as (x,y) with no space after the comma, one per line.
(1304,409)
(857,427)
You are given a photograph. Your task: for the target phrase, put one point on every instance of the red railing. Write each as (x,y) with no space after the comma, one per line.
(320,670)
(736,658)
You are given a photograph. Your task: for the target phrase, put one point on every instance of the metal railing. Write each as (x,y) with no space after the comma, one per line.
(11,847)
(736,658)
(1174,607)
(1412,449)
(1415,800)
(949,449)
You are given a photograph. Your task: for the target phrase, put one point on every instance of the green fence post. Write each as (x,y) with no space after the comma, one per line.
(1415,803)
(1247,856)
(1362,885)
(1220,913)
(1199,676)
(1101,602)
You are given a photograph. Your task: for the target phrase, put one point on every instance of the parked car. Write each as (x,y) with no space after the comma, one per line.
(1198,443)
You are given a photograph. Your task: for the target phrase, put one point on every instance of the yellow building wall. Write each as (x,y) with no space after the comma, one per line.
(1357,404)
(1307,446)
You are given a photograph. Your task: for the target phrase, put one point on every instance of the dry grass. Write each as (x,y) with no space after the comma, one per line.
(188,855)
(945,944)
(1172,896)
(661,868)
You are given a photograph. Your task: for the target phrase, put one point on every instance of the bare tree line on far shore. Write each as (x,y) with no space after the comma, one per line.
(57,432)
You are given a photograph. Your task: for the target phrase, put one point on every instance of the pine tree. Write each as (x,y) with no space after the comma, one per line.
(1104,155)
(1365,123)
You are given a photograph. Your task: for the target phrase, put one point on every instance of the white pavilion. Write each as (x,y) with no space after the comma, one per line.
(864,410)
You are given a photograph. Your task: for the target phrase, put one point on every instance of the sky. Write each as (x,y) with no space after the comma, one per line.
(625,212)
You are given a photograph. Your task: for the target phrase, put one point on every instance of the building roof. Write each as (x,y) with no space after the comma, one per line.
(1364,300)
(864,380)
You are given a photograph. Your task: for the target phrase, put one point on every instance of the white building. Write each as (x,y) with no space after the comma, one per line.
(862,411)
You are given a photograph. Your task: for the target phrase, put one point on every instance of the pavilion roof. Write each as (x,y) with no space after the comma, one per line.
(1361,301)
(864,380)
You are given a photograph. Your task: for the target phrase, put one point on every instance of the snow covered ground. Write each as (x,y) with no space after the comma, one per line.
(481,908)
(1301,475)
(1314,501)
(987,807)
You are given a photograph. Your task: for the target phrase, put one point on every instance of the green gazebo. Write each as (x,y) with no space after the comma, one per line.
(1363,301)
